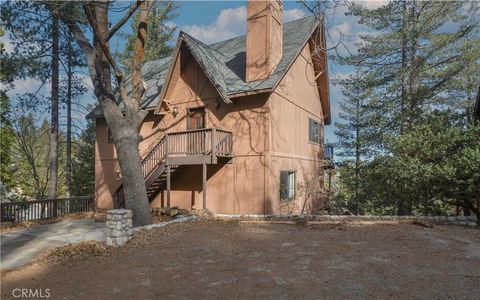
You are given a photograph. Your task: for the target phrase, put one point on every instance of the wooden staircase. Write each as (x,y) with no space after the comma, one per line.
(176,151)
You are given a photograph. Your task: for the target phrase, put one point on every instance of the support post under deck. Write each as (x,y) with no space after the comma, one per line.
(204,185)
(168,185)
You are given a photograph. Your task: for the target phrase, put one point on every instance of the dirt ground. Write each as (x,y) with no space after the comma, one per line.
(232,260)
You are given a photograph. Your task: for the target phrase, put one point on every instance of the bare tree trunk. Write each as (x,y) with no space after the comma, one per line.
(357,153)
(414,84)
(68,170)
(404,68)
(132,175)
(124,125)
(404,93)
(125,129)
(52,188)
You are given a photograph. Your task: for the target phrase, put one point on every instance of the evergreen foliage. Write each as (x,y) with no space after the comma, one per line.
(159,41)
(405,139)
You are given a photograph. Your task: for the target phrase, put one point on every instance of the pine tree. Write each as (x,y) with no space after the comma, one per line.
(353,133)
(40,52)
(160,37)
(84,162)
(7,70)
(413,59)
(421,58)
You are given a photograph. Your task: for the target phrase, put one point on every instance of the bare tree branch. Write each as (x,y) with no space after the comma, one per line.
(125,18)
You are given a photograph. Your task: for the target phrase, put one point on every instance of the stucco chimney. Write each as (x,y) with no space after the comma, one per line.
(264,38)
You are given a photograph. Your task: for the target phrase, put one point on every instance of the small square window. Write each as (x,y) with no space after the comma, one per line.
(287,185)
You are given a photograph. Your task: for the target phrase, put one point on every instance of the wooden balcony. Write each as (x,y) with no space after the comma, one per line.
(328,157)
(177,149)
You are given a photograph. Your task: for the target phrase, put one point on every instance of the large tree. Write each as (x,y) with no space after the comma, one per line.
(418,59)
(434,165)
(55,82)
(7,73)
(417,49)
(40,53)
(124,122)
(353,130)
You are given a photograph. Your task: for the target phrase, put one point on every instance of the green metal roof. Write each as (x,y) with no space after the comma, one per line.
(224,63)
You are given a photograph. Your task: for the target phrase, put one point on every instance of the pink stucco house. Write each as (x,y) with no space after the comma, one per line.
(235,126)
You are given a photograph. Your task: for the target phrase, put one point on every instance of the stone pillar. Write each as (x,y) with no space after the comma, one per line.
(119,227)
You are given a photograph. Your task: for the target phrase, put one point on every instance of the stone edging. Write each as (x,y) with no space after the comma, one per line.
(163,224)
(119,226)
(119,221)
(469,221)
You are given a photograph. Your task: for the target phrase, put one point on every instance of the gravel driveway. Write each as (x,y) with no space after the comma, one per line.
(23,245)
(231,260)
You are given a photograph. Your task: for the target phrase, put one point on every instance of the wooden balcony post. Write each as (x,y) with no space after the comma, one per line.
(204,185)
(166,149)
(214,145)
(168,185)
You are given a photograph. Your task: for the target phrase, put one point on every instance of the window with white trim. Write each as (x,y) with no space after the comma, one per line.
(287,185)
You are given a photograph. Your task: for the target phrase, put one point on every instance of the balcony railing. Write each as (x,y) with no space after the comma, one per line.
(328,152)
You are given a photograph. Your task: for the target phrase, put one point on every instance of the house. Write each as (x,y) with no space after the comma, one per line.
(260,101)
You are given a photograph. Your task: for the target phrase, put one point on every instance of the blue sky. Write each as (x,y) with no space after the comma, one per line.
(212,21)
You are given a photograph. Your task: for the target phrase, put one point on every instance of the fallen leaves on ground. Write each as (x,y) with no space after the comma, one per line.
(9,226)
(76,251)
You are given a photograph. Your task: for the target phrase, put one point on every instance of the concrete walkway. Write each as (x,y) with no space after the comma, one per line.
(21,246)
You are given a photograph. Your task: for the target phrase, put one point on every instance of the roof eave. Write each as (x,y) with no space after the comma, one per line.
(325,108)
(249,93)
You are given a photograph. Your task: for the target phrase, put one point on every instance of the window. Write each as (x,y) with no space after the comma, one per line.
(287,185)
(314,131)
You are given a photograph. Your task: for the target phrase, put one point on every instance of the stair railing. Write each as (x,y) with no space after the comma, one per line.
(154,158)
(192,142)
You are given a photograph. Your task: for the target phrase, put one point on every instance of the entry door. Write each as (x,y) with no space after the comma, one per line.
(196,140)
(196,118)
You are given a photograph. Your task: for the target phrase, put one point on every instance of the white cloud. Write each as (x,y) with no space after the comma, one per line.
(230,22)
(292,14)
(27,85)
(373,3)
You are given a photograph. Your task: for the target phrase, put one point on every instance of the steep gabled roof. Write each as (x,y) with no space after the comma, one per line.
(209,60)
(224,63)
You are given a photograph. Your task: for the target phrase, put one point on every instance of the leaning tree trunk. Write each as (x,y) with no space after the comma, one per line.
(53,156)
(124,125)
(124,128)
(132,174)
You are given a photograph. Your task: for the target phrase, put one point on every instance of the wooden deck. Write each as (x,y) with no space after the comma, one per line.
(174,150)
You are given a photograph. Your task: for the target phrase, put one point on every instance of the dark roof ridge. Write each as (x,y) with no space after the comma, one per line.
(199,41)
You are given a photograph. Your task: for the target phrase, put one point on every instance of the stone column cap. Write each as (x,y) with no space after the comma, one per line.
(120,211)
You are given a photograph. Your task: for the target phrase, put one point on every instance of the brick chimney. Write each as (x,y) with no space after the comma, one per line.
(264,38)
